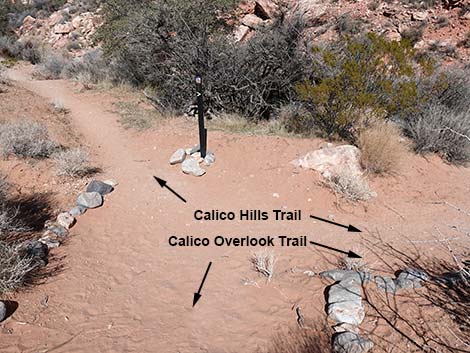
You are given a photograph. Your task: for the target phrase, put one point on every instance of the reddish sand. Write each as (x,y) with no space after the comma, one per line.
(124,289)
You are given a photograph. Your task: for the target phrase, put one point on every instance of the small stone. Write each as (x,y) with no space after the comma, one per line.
(386,284)
(178,156)
(59,231)
(411,278)
(241,33)
(3,311)
(49,242)
(191,167)
(90,200)
(209,159)
(77,211)
(195,149)
(111,182)
(419,15)
(37,250)
(66,220)
(350,342)
(99,187)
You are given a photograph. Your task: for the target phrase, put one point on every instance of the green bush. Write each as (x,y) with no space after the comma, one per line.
(358,79)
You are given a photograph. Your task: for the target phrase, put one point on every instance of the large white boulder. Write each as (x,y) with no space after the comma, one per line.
(331,161)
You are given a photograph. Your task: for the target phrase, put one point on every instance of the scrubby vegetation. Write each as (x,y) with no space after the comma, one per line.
(15,264)
(336,90)
(73,162)
(350,185)
(381,148)
(26,139)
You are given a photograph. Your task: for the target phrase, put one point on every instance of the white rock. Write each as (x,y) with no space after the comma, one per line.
(191,166)
(331,161)
(241,33)
(63,28)
(252,21)
(209,159)
(66,220)
(50,242)
(178,156)
(111,182)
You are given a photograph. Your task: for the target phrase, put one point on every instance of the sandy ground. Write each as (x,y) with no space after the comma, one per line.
(124,289)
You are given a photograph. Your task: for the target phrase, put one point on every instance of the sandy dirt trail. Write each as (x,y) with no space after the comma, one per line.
(124,289)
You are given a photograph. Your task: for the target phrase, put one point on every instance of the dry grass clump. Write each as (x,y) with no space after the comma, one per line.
(381,149)
(263,262)
(14,268)
(26,139)
(59,107)
(73,162)
(350,185)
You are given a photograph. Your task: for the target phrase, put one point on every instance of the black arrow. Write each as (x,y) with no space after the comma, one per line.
(350,254)
(163,184)
(350,228)
(198,295)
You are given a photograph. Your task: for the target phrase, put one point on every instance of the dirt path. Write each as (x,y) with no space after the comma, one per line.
(125,289)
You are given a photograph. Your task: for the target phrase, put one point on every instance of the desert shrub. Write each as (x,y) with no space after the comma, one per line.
(51,66)
(73,45)
(373,5)
(25,139)
(413,34)
(465,42)
(360,77)
(350,185)
(349,25)
(59,107)
(296,119)
(7,46)
(440,129)
(263,262)
(166,43)
(381,149)
(442,21)
(90,68)
(14,267)
(73,162)
(27,49)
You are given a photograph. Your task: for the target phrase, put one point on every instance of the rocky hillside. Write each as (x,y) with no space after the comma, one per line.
(71,27)
(441,28)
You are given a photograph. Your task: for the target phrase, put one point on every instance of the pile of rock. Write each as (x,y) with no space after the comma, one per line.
(345,307)
(405,279)
(62,28)
(191,160)
(255,14)
(57,230)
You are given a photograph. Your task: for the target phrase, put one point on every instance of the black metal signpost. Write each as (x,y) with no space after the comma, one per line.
(200,113)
